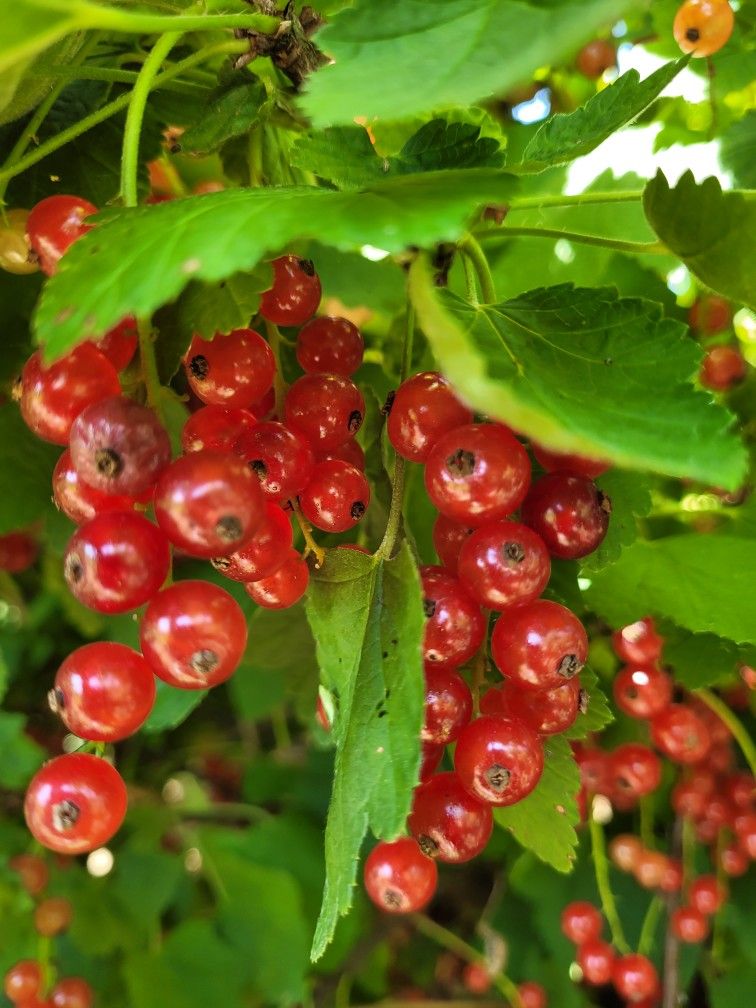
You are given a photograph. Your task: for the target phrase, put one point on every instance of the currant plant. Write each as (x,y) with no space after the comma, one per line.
(377,513)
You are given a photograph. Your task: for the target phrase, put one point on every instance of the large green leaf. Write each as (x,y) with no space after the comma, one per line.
(703,583)
(713,232)
(702,659)
(564,137)
(229,114)
(367,620)
(545,821)
(27,464)
(581,370)
(172,706)
(210,237)
(631,500)
(395,60)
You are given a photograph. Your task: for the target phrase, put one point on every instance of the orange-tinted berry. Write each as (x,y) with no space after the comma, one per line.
(702,27)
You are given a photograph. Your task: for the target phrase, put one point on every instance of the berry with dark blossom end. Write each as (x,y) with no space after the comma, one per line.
(23,981)
(265,552)
(116,561)
(51,397)
(702,27)
(209,504)
(681,734)
(218,429)
(336,496)
(596,959)
(295,294)
(193,634)
(635,977)
(689,925)
(233,369)
(281,458)
(448,704)
(283,588)
(75,803)
(398,877)
(119,447)
(103,691)
(539,646)
(642,691)
(18,551)
(638,643)
(76,499)
(581,922)
(447,821)
(325,409)
(499,760)
(424,408)
(504,564)
(330,345)
(635,770)
(569,513)
(448,538)
(455,627)
(558,462)
(477,473)
(54,224)
(71,992)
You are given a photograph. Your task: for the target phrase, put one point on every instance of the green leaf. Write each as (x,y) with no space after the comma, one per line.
(367,620)
(544,822)
(33,27)
(700,582)
(701,659)
(216,235)
(631,500)
(736,151)
(20,758)
(28,464)
(564,137)
(584,371)
(18,295)
(396,60)
(230,114)
(713,232)
(598,715)
(206,309)
(172,706)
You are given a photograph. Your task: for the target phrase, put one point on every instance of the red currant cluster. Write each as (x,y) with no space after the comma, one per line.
(222,500)
(25,982)
(723,365)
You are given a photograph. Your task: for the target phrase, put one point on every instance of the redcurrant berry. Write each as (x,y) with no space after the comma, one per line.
(349,452)
(209,504)
(635,977)
(265,552)
(53,916)
(399,878)
(733,860)
(594,768)
(193,634)
(596,57)
(119,343)
(23,981)
(638,643)
(325,409)
(448,704)
(330,345)
(596,959)
(455,627)
(116,561)
(477,472)
(650,869)
(234,369)
(504,564)
(702,27)
(75,803)
(71,992)
(672,877)
(532,995)
(281,459)
(476,978)
(33,871)
(581,922)
(295,294)
(78,501)
(689,925)
(16,255)
(54,224)
(285,587)
(569,513)
(448,822)
(625,851)
(707,895)
(540,645)
(103,692)
(642,692)
(710,314)
(432,754)
(499,760)
(336,496)
(222,429)
(18,551)
(635,770)
(557,462)
(722,367)
(740,789)
(424,408)
(681,734)
(52,397)
(448,539)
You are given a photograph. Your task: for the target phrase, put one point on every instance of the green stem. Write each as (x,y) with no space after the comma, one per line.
(447,939)
(718,937)
(650,924)
(470,248)
(114,76)
(737,729)
(580,199)
(148,362)
(637,248)
(601,869)
(306,529)
(119,20)
(135,116)
(117,105)
(470,287)
(279,384)
(647,821)
(44,958)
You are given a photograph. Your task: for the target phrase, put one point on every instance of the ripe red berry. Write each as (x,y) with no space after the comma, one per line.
(707,895)
(702,27)
(448,822)
(209,504)
(52,397)
(448,704)
(638,643)
(569,513)
(119,343)
(18,551)
(642,692)
(193,634)
(349,452)
(326,409)
(733,860)
(635,770)
(710,314)
(547,712)
(689,925)
(265,552)
(596,57)
(330,345)
(722,367)
(499,760)
(71,992)
(295,294)
(103,691)
(650,869)
(596,959)
(283,588)
(75,803)
(399,878)
(424,408)
(557,462)
(33,871)
(581,922)
(504,564)
(672,877)
(476,978)
(477,472)
(532,995)
(23,981)
(221,429)
(78,501)
(625,851)
(681,734)
(119,447)
(448,539)
(54,224)
(233,369)
(53,916)
(281,459)
(432,754)
(116,561)
(634,977)
(740,789)
(540,645)
(594,768)
(455,627)
(336,496)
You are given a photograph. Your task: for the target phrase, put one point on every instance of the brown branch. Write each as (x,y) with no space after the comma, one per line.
(671,978)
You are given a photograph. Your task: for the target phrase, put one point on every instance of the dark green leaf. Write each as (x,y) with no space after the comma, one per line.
(229,115)
(20,758)
(737,150)
(565,137)
(598,715)
(172,706)
(27,464)
(631,500)
(702,659)
(206,309)
(714,233)
(17,297)
(367,620)
(214,236)
(581,370)
(342,155)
